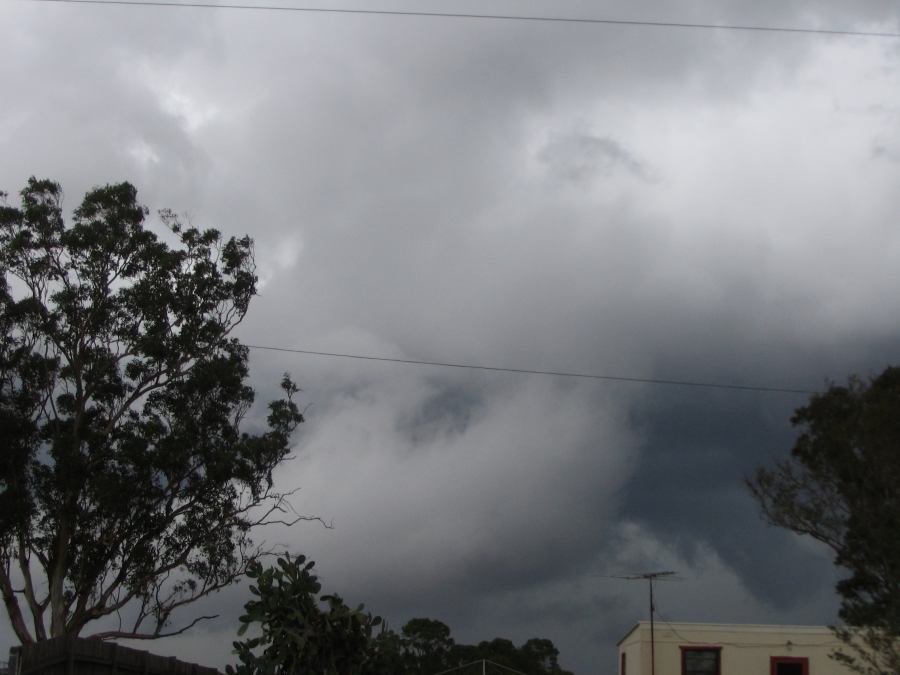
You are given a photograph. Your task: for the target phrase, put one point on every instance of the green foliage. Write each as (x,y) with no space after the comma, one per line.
(536,657)
(126,481)
(842,487)
(425,647)
(543,653)
(300,631)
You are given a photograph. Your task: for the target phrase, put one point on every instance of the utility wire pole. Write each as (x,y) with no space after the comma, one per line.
(649,576)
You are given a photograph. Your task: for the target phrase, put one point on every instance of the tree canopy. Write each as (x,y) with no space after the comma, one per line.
(127,485)
(299,631)
(536,656)
(841,486)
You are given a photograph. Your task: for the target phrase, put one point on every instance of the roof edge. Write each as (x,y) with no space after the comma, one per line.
(631,630)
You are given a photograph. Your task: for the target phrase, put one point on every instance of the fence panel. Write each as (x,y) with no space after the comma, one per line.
(80,656)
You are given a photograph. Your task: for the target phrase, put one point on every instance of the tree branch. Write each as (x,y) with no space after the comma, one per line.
(12,608)
(113,634)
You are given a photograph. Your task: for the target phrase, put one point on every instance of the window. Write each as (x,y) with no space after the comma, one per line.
(789,665)
(622,669)
(701,660)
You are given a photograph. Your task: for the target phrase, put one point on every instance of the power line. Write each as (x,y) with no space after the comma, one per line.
(487,17)
(501,666)
(650,577)
(555,373)
(483,663)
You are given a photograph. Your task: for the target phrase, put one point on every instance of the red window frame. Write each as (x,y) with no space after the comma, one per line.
(775,660)
(702,648)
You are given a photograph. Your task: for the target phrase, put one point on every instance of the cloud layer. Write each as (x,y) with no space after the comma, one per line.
(680,204)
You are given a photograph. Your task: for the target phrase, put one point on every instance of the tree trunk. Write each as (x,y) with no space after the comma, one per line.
(57,581)
(14,611)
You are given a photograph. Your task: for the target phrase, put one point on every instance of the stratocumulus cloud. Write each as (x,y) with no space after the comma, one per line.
(676,204)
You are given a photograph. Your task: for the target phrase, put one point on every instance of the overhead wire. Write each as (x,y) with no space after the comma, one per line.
(504,17)
(487,17)
(531,371)
(484,662)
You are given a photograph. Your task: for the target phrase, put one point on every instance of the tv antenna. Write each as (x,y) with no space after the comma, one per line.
(650,577)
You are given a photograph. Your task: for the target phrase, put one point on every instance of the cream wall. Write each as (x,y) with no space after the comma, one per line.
(633,649)
(746,648)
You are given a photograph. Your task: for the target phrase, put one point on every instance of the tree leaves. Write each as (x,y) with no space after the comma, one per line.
(126,473)
(300,630)
(842,487)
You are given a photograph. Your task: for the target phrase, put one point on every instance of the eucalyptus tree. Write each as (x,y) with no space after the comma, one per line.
(841,486)
(128,486)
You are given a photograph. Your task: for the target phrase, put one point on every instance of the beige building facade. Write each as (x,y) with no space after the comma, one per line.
(728,649)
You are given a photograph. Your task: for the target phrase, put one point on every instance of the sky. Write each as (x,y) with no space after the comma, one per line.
(660,203)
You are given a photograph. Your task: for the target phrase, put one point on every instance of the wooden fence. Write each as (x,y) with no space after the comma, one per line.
(80,656)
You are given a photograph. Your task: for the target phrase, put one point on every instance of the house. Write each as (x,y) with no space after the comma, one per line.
(728,649)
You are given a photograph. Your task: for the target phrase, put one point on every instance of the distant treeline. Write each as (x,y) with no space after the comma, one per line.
(425,647)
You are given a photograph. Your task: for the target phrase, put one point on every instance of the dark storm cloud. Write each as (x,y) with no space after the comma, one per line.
(678,204)
(712,443)
(449,409)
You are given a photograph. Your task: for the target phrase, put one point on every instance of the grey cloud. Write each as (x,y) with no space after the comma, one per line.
(890,153)
(405,165)
(468,504)
(581,157)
